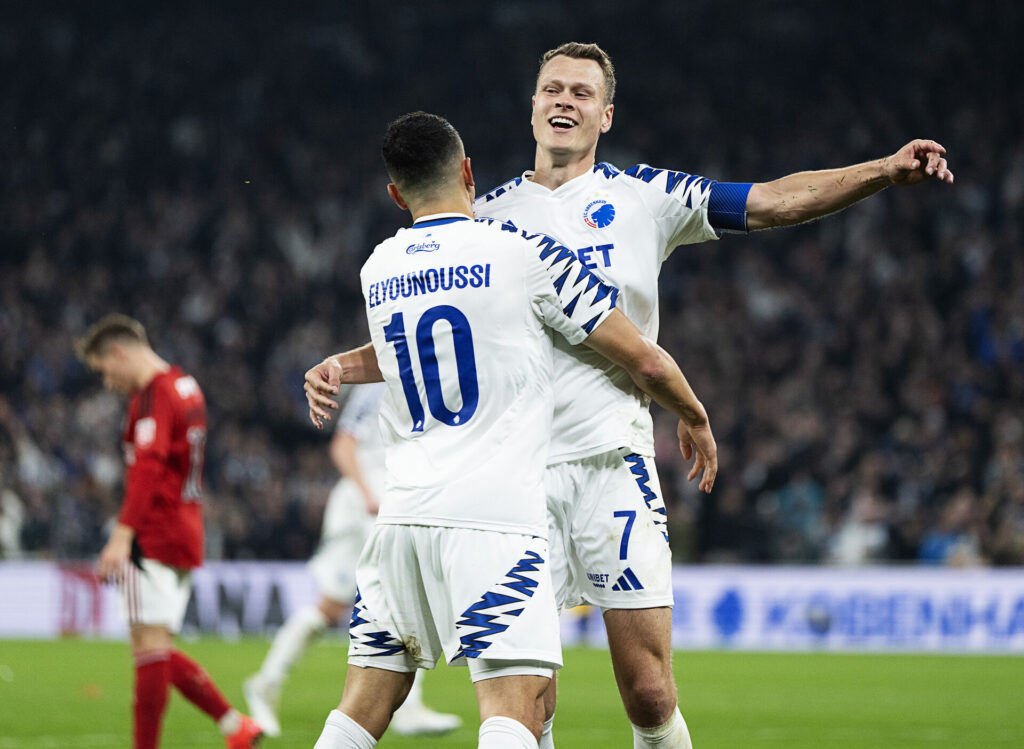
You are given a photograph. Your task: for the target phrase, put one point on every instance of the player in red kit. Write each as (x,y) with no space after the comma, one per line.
(158,538)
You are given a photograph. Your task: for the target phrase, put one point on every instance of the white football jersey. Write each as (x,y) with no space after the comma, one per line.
(460,314)
(622,225)
(359,418)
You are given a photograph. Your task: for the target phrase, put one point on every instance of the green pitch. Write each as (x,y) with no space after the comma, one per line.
(77,694)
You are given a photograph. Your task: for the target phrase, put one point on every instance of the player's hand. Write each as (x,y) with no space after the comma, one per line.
(115,555)
(701,440)
(917,161)
(321,388)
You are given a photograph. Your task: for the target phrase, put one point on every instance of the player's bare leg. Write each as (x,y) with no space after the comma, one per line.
(370,697)
(548,702)
(511,711)
(640,641)
(146,638)
(414,718)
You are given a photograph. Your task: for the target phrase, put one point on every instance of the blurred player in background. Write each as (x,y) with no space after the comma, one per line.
(357,451)
(623,225)
(158,537)
(458,561)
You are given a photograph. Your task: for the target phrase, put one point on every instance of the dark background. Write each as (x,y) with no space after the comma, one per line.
(215,172)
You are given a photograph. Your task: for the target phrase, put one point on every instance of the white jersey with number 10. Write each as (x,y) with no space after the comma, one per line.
(460,315)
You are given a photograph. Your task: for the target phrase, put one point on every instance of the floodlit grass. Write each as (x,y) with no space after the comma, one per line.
(75,693)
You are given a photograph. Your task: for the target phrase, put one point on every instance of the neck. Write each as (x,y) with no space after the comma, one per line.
(150,365)
(443,204)
(554,170)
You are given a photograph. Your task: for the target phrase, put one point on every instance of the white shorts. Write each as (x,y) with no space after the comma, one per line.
(481,598)
(156,594)
(346,527)
(608,532)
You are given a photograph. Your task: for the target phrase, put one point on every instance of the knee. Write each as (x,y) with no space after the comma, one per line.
(649,699)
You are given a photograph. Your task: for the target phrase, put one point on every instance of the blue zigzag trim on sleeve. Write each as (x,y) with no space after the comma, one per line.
(588,326)
(500,190)
(561,281)
(571,306)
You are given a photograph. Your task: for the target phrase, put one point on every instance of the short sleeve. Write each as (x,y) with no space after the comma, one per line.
(687,208)
(565,295)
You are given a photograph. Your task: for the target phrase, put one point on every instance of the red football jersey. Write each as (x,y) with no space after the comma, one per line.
(164,444)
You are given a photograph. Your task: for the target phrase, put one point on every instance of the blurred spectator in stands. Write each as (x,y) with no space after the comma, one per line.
(209,173)
(954,541)
(865,536)
(730,533)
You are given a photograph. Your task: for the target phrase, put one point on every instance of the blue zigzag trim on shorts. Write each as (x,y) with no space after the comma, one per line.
(490,615)
(638,468)
(383,642)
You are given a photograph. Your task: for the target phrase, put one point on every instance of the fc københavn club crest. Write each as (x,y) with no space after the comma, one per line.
(599,214)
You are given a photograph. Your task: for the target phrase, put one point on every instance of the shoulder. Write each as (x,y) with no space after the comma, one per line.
(532,242)
(498,191)
(691,189)
(606,170)
(381,254)
(177,385)
(488,224)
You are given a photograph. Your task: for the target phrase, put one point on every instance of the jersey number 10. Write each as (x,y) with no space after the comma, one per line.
(465,363)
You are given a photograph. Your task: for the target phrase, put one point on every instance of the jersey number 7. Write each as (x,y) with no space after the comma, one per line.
(465,363)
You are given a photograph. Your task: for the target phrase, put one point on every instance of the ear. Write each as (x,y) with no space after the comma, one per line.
(606,119)
(467,179)
(397,197)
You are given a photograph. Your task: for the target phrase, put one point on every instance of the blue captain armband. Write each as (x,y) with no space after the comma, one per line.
(727,206)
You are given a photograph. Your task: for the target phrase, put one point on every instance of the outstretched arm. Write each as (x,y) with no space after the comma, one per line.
(805,196)
(658,375)
(355,366)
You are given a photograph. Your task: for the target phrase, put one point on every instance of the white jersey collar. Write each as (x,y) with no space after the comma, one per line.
(564,187)
(435,218)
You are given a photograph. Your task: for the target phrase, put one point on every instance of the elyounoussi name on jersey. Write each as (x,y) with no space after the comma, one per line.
(429,281)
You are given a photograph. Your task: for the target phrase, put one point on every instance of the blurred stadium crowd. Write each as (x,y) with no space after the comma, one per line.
(215,173)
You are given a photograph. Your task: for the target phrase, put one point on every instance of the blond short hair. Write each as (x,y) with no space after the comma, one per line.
(102,333)
(582,51)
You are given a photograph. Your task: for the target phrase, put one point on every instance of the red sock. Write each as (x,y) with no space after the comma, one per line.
(196,686)
(152,672)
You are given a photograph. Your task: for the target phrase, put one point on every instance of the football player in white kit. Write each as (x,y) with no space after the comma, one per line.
(357,451)
(461,314)
(624,225)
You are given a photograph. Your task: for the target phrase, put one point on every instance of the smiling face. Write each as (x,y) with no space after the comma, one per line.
(569,110)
